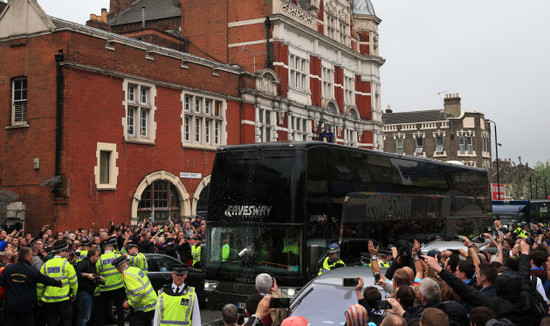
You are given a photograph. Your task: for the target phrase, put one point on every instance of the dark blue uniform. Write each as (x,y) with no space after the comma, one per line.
(20,281)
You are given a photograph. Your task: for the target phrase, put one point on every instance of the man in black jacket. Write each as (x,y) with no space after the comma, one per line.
(20,281)
(514,294)
(87,283)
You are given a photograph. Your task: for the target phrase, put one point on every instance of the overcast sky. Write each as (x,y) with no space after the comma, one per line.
(494,53)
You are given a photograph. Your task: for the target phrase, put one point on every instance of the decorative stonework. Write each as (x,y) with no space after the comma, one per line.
(266,86)
(291,10)
(364,25)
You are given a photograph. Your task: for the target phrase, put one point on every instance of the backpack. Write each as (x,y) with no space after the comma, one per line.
(539,308)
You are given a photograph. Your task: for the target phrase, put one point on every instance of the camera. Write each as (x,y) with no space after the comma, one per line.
(383,305)
(350,281)
(279,303)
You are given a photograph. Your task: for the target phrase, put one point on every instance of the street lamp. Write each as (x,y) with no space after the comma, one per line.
(496,153)
(537,188)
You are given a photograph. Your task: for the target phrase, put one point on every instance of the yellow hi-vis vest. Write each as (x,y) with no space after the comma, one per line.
(225,252)
(291,246)
(139,261)
(81,255)
(196,253)
(61,270)
(327,267)
(176,310)
(105,268)
(139,291)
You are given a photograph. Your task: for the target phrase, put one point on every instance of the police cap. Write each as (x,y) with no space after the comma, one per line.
(131,245)
(180,270)
(119,261)
(60,245)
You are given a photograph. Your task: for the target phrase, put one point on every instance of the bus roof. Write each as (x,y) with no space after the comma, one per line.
(311,144)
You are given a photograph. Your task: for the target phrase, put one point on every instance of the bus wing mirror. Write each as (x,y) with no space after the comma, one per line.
(315,252)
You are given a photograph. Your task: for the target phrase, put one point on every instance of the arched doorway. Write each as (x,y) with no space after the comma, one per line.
(200,198)
(160,196)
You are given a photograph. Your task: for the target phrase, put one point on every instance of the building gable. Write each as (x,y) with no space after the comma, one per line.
(24,17)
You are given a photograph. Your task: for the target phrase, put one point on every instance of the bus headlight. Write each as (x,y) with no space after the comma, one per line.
(289,292)
(210,285)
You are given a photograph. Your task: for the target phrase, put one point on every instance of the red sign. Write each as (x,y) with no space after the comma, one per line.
(495,191)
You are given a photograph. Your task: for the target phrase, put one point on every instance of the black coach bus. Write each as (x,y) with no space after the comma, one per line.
(275,207)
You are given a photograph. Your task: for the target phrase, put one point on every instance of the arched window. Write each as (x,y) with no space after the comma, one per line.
(159,201)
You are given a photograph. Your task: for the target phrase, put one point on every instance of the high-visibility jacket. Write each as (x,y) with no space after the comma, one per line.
(196,253)
(81,255)
(174,310)
(225,252)
(327,267)
(105,268)
(139,291)
(140,262)
(61,270)
(291,246)
(381,264)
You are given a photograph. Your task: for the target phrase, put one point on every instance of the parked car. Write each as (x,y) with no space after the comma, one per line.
(441,245)
(324,299)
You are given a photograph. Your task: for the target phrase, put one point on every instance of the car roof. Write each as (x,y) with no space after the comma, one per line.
(335,276)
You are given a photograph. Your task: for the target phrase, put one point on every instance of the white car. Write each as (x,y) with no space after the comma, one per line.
(324,300)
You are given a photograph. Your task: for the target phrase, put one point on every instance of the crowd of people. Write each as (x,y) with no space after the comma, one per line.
(73,277)
(67,278)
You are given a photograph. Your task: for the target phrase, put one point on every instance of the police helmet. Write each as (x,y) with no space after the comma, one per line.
(333,248)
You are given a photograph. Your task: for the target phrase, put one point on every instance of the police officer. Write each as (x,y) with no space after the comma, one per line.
(333,259)
(20,280)
(57,301)
(112,287)
(136,258)
(177,303)
(83,252)
(291,247)
(196,252)
(226,249)
(139,291)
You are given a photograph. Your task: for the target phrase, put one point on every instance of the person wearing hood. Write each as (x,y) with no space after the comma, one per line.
(514,294)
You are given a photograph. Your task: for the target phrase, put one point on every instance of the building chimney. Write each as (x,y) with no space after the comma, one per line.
(389,110)
(452,104)
(102,18)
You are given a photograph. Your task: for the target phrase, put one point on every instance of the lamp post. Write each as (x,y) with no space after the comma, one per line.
(537,188)
(496,153)
(545,190)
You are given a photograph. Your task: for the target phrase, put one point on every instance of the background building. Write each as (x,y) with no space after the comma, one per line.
(446,134)
(117,122)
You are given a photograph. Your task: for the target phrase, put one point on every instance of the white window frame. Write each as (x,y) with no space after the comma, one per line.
(398,147)
(203,121)
(349,89)
(139,104)
(19,104)
(298,67)
(299,127)
(466,144)
(266,125)
(337,29)
(112,167)
(327,77)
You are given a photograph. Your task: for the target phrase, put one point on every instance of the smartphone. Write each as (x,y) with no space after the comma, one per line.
(376,278)
(458,237)
(383,305)
(350,281)
(279,303)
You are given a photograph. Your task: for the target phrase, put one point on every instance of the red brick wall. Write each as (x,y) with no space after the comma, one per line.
(204,24)
(281,55)
(93,112)
(339,90)
(315,80)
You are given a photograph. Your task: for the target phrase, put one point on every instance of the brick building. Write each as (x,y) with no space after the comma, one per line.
(118,123)
(446,134)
